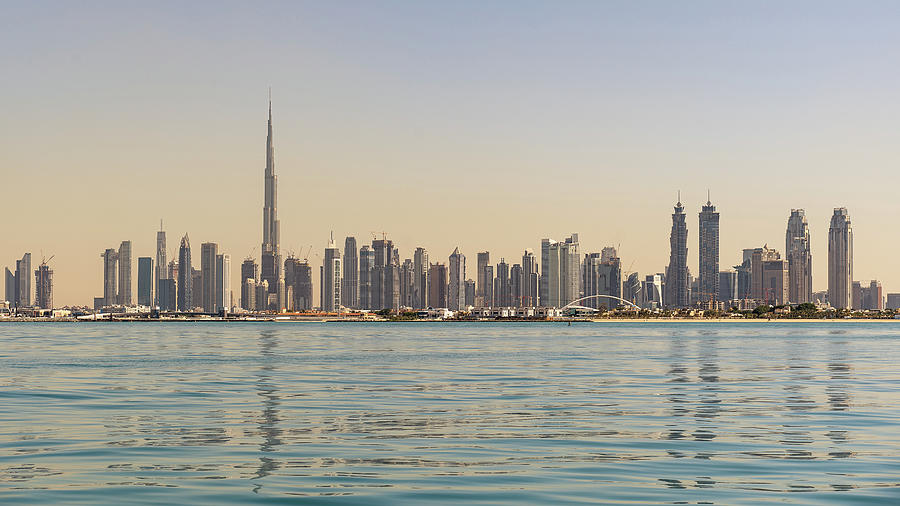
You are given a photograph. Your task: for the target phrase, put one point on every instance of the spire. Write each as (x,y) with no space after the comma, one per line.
(708,200)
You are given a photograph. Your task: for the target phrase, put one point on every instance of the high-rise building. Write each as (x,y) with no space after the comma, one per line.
(437,286)
(160,261)
(775,281)
(799,258)
(385,293)
(632,289)
(504,289)
(331,278)
(484,286)
(303,288)
(271,243)
(43,283)
(23,281)
(125,293)
(602,276)
(249,277)
(185,282)
(457,287)
(11,293)
(166,294)
(516,285)
(262,295)
(560,271)
(709,253)
(868,296)
(677,284)
(110,264)
(223,283)
(350,280)
(653,289)
(366,277)
(420,278)
(145,281)
(893,301)
(728,286)
(407,283)
(529,279)
(208,253)
(760,289)
(840,259)
(470,292)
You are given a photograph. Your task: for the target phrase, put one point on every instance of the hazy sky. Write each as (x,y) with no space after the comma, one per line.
(487,125)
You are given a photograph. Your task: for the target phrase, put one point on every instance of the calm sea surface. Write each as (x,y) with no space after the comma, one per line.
(450,413)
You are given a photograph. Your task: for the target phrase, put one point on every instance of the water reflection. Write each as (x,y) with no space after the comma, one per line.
(269,420)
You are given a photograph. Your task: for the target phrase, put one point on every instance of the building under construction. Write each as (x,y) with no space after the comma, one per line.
(43,282)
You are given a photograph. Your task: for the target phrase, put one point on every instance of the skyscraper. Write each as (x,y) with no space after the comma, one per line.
(504,292)
(366,275)
(208,253)
(350,280)
(43,282)
(223,282)
(799,258)
(160,261)
(840,259)
(677,272)
(560,271)
(110,295)
(185,284)
(145,281)
(709,253)
(125,267)
(249,277)
(331,278)
(484,283)
(23,281)
(457,287)
(11,292)
(437,286)
(420,275)
(385,293)
(529,279)
(271,245)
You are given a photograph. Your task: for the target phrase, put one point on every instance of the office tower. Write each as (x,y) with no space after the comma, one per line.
(303,290)
(208,253)
(11,293)
(632,289)
(331,278)
(145,281)
(262,295)
(185,282)
(160,261)
(504,290)
(677,271)
(110,295)
(529,279)
(602,276)
(484,286)
(420,274)
(43,282)
(470,292)
(223,283)
(366,275)
(653,289)
(799,257)
(197,288)
(516,285)
(560,271)
(271,244)
(23,280)
(166,294)
(172,270)
(728,286)
(708,282)
(775,281)
(249,276)
(437,286)
(758,285)
(281,291)
(125,293)
(840,259)
(457,286)
(867,296)
(350,280)
(385,293)
(549,273)
(291,282)
(407,283)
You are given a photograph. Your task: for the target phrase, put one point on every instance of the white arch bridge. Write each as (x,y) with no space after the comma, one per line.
(574,303)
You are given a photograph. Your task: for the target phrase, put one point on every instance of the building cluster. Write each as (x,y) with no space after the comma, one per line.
(373,276)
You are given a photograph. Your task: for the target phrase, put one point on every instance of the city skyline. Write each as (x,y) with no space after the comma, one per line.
(483,130)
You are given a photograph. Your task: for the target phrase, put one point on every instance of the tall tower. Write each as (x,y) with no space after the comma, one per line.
(185,284)
(457,287)
(331,278)
(350,280)
(799,258)
(840,259)
(271,244)
(125,273)
(160,261)
(709,252)
(677,272)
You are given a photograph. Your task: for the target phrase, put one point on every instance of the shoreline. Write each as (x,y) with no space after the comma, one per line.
(558,320)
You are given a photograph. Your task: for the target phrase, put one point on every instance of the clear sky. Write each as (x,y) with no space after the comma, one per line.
(487,125)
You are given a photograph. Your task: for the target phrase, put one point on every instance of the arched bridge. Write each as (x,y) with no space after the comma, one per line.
(574,303)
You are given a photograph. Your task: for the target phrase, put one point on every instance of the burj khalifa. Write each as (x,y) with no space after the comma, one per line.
(271,243)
